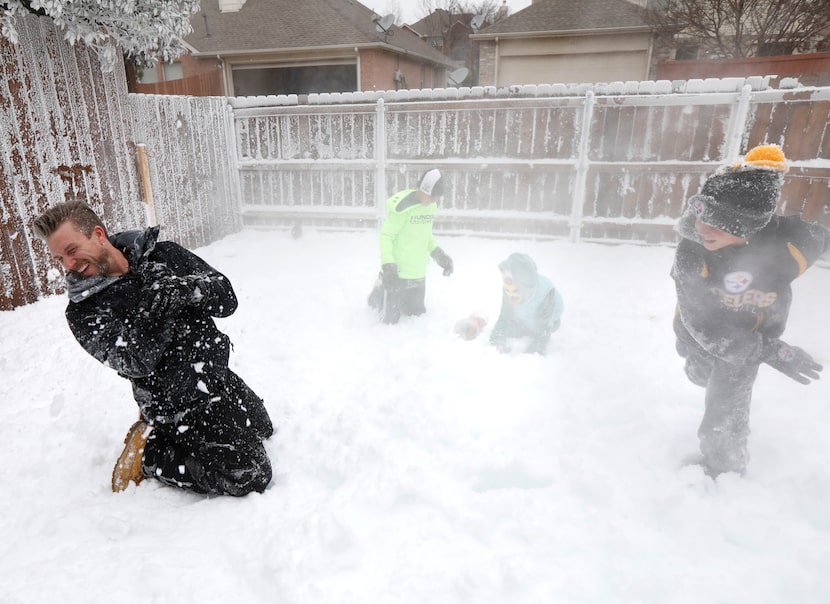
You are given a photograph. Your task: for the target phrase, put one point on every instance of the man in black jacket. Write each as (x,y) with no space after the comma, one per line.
(145,308)
(732,271)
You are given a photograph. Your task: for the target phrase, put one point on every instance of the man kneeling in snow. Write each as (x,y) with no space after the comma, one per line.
(145,308)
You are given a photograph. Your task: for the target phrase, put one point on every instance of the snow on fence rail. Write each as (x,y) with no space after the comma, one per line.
(609,162)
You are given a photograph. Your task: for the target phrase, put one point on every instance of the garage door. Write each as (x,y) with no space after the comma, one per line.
(573,69)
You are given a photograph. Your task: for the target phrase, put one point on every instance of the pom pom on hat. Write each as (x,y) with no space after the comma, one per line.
(741,198)
(764,156)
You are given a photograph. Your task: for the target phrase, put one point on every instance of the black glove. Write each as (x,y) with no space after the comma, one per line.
(791,361)
(443,260)
(168,295)
(389,276)
(150,272)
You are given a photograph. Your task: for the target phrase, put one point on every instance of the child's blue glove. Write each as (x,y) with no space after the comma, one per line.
(792,361)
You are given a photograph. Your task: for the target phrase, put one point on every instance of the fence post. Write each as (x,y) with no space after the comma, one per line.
(235,185)
(737,124)
(380,157)
(146,183)
(581,167)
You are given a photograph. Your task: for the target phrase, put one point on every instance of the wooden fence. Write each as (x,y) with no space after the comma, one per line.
(811,69)
(67,131)
(194,183)
(611,163)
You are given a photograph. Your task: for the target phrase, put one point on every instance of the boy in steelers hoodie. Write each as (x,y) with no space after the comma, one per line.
(732,270)
(406,244)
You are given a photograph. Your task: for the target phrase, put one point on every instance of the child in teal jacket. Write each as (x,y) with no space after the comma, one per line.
(530,305)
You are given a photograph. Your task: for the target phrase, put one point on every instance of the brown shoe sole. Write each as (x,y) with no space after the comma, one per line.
(128,466)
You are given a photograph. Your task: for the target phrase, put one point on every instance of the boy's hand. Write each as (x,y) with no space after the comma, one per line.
(791,361)
(389,276)
(443,260)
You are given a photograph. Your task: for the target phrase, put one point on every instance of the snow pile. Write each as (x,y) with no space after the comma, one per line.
(412,466)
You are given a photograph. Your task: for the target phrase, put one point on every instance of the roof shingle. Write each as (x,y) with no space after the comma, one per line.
(274,25)
(570,15)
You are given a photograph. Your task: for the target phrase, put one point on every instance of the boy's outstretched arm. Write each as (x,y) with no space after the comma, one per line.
(792,361)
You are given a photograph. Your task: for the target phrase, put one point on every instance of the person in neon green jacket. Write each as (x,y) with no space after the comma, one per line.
(406,244)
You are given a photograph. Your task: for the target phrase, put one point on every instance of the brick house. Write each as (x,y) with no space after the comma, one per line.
(262,47)
(591,41)
(568,42)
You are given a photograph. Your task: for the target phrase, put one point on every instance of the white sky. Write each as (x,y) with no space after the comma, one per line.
(411,10)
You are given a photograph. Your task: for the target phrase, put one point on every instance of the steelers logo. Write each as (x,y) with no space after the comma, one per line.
(736,283)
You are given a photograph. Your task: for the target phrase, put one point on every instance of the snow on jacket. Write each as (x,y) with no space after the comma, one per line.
(174,355)
(406,236)
(733,300)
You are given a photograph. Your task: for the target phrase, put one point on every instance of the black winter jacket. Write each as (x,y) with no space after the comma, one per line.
(732,301)
(154,326)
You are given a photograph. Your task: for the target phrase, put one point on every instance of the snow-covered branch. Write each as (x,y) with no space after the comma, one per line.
(145,30)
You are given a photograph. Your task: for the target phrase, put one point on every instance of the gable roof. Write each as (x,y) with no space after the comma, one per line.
(438,21)
(282,25)
(569,16)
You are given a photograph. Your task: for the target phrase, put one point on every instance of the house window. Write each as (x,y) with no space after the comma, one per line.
(163,72)
(172,71)
(147,75)
(294,80)
(686,53)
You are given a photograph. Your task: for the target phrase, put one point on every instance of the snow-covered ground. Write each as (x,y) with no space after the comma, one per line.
(414,467)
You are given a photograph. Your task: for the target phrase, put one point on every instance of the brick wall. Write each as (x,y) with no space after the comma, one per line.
(377,72)
(487,63)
